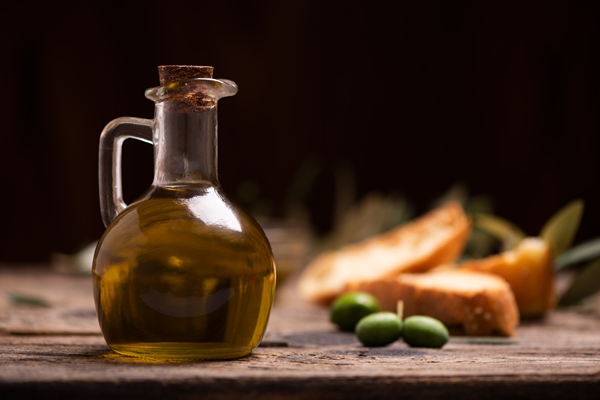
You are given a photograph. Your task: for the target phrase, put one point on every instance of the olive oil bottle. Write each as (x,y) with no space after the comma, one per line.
(183,272)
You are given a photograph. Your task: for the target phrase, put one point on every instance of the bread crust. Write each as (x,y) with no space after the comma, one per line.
(435,238)
(529,271)
(478,303)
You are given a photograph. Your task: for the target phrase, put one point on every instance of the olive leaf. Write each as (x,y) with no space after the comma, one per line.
(582,252)
(27,300)
(559,231)
(483,340)
(479,244)
(585,283)
(506,232)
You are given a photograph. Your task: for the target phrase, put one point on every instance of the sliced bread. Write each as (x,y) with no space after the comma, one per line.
(435,238)
(480,304)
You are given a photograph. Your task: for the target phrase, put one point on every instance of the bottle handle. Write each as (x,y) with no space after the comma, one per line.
(109,161)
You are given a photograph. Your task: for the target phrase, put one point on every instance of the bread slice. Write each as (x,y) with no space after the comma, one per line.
(479,303)
(529,271)
(435,238)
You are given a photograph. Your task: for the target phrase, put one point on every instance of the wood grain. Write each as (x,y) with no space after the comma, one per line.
(58,352)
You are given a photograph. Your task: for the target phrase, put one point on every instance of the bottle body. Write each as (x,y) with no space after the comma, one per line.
(184,273)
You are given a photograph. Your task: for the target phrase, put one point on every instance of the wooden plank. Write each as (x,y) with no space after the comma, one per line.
(51,352)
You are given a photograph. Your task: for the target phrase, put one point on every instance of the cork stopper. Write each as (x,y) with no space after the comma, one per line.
(186,101)
(174,73)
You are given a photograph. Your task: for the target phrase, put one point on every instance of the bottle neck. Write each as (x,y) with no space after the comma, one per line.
(185,143)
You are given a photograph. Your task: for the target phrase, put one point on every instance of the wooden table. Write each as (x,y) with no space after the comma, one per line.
(58,352)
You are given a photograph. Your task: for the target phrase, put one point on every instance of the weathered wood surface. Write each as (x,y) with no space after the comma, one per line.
(58,352)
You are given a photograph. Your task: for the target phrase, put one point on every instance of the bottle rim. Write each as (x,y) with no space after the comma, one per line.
(209,87)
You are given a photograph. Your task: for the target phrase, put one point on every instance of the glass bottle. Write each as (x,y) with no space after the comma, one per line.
(182,272)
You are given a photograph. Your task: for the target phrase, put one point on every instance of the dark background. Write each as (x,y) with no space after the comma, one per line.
(413,96)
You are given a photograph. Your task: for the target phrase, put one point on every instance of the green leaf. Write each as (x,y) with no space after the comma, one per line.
(582,252)
(27,300)
(585,283)
(506,232)
(559,231)
(483,340)
(480,244)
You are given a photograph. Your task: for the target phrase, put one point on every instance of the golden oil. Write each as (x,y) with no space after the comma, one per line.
(183,274)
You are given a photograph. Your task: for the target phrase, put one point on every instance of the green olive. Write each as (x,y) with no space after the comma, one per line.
(379,329)
(350,307)
(424,331)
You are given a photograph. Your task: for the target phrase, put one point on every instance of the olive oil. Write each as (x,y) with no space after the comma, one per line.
(183,273)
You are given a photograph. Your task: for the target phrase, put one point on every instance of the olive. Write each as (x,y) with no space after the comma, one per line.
(424,331)
(350,307)
(379,329)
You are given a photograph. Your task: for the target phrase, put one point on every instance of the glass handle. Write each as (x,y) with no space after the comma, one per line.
(109,165)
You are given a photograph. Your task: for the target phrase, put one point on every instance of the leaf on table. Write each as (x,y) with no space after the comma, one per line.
(487,340)
(506,232)
(27,300)
(559,231)
(585,283)
(585,251)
